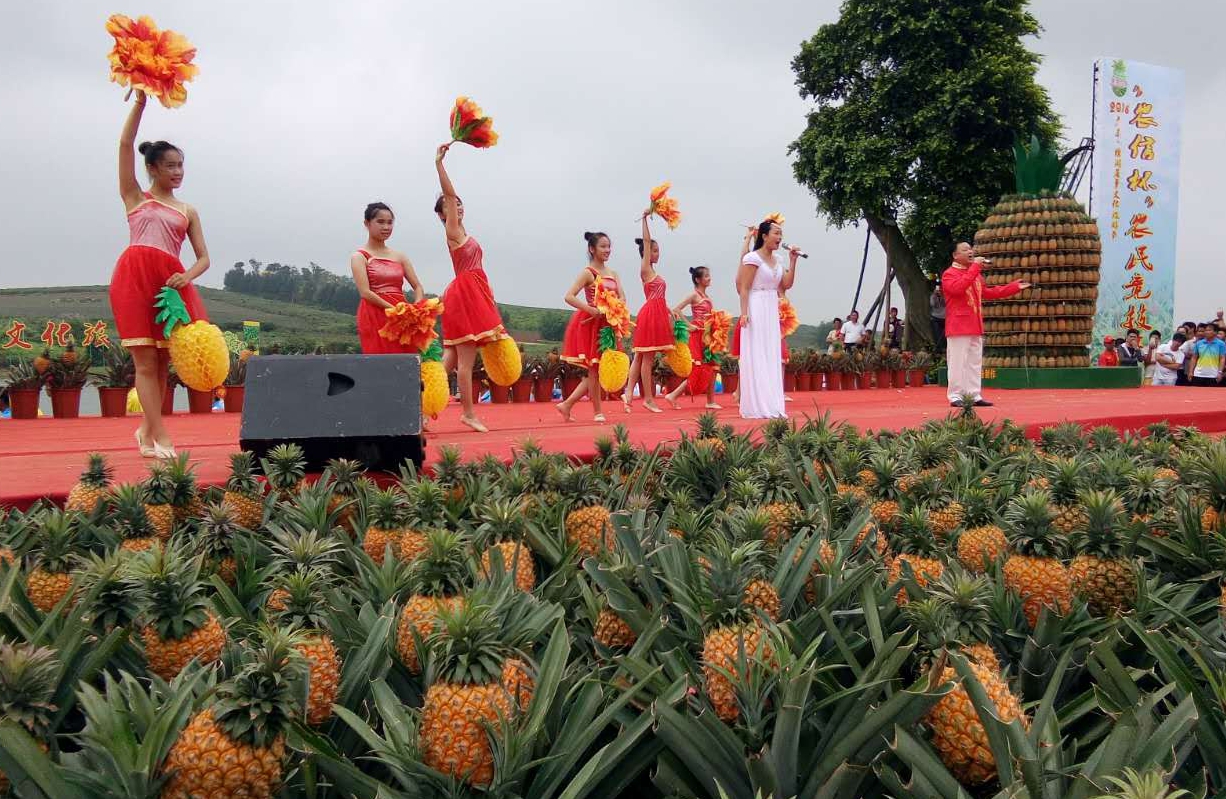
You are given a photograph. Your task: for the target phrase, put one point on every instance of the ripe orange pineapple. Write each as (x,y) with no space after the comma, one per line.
(217,535)
(243,491)
(1035,570)
(1067,481)
(982,542)
(450,473)
(918,550)
(56,545)
(92,488)
(29,676)
(343,477)
(304,609)
(386,511)
(588,526)
(236,745)
(1102,572)
(613,632)
(159,499)
(439,578)
(176,623)
(763,596)
(185,498)
(1208,474)
(885,509)
(710,435)
(502,529)
(130,519)
(285,469)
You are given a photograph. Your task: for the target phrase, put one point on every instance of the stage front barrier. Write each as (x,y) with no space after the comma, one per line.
(1093,377)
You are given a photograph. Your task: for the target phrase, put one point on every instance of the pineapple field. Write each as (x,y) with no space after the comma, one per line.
(814,611)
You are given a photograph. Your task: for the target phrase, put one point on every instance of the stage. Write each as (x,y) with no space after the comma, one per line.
(42,458)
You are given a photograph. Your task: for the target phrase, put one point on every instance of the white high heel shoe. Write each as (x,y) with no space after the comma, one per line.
(164,453)
(146,451)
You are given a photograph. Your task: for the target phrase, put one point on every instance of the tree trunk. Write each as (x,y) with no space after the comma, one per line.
(914,283)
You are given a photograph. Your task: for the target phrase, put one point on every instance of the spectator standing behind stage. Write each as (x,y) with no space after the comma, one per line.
(853,331)
(1147,356)
(1208,357)
(936,309)
(1168,361)
(895,330)
(835,336)
(1130,351)
(1109,356)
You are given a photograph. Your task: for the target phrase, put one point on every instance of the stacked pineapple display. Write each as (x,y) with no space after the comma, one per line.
(808,611)
(1044,237)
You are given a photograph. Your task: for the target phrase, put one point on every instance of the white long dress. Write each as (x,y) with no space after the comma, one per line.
(762,344)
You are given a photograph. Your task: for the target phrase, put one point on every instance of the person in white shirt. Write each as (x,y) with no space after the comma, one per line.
(852,330)
(1147,356)
(1168,361)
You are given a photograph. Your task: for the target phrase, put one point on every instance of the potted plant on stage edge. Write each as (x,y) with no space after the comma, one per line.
(791,368)
(24,386)
(853,372)
(917,370)
(236,379)
(897,361)
(837,368)
(115,382)
(804,369)
(820,364)
(551,367)
(572,376)
(521,389)
(730,369)
(66,377)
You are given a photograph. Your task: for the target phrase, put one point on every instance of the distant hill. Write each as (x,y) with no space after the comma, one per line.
(292,326)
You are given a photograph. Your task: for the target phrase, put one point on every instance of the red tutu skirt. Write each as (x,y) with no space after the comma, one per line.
(371,320)
(653,329)
(140,273)
(581,344)
(696,346)
(470,314)
(734,346)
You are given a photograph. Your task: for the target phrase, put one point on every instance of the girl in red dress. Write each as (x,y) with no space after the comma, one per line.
(581,344)
(653,330)
(158,223)
(380,273)
(470,315)
(700,306)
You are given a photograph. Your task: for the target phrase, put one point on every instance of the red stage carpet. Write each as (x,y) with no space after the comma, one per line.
(42,458)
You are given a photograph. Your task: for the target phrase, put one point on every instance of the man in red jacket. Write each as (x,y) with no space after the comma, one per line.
(964,290)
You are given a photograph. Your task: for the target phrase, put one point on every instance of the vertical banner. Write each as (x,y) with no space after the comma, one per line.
(1138,115)
(251,335)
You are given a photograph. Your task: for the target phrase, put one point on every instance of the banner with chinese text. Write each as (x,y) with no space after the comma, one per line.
(1138,115)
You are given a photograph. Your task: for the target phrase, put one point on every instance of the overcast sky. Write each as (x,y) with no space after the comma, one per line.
(305,111)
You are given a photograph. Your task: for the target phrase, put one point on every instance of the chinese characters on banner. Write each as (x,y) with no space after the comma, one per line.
(19,335)
(1138,113)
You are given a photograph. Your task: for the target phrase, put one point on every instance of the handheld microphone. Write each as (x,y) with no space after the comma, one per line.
(793,249)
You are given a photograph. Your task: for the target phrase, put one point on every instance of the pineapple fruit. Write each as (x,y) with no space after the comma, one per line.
(439,577)
(502,531)
(243,491)
(57,544)
(131,520)
(176,623)
(91,489)
(285,469)
(982,542)
(386,515)
(1035,570)
(159,500)
(305,610)
(917,551)
(1102,573)
(29,677)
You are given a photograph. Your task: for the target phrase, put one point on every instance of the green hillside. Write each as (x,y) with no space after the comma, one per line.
(291,326)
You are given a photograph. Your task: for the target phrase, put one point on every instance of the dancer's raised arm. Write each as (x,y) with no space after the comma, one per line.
(451,202)
(647,272)
(129,187)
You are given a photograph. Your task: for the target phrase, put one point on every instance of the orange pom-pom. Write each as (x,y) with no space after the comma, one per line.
(716,330)
(470,125)
(610,303)
(150,60)
(788,322)
(664,206)
(412,325)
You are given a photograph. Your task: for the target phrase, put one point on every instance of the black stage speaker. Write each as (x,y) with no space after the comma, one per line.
(364,407)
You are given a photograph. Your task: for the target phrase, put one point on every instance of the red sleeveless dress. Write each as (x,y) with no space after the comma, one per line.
(386,278)
(470,314)
(581,344)
(653,329)
(699,312)
(156,234)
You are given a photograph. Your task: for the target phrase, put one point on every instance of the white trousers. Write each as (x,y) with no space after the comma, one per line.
(965,360)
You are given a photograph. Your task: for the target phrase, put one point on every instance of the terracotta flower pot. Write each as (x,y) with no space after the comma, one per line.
(731,382)
(234,398)
(834,381)
(168,401)
(915,377)
(569,384)
(24,402)
(499,395)
(883,378)
(521,390)
(65,403)
(113,401)
(804,381)
(199,401)
(898,378)
(849,381)
(789,381)
(542,389)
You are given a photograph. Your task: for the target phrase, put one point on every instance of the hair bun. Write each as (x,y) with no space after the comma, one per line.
(589,237)
(145,147)
(639,242)
(694,270)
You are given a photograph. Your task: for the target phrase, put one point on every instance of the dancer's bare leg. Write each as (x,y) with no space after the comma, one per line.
(466,356)
(564,407)
(648,382)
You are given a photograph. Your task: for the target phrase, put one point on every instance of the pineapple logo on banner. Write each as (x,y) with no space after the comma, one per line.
(1119,78)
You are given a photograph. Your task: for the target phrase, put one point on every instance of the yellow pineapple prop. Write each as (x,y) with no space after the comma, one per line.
(679,360)
(614,366)
(197,349)
(434,389)
(503,361)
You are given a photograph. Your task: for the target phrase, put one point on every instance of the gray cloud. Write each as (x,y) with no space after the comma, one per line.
(304,112)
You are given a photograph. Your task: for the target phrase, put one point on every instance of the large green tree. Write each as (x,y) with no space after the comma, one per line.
(916,104)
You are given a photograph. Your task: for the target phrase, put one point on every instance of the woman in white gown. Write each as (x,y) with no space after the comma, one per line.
(758,282)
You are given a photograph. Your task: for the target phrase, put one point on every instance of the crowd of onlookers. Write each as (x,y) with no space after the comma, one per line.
(850,333)
(1195,354)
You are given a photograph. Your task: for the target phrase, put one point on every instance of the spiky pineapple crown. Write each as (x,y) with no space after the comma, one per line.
(159,486)
(885,468)
(1029,518)
(1103,530)
(930,449)
(217,531)
(305,604)
(1111,471)
(1067,480)
(774,431)
(129,518)
(168,593)
(242,474)
(98,473)
(968,598)
(1104,438)
(578,485)
(1036,168)
(1064,439)
(427,503)
(266,693)
(28,678)
(722,584)
(1208,473)
(183,478)
(443,569)
(342,474)
(284,466)
(449,471)
(295,547)
(1149,491)
(467,645)
(708,426)
(1152,784)
(915,535)
(57,540)
(387,509)
(103,584)
(501,520)
(539,469)
(747,524)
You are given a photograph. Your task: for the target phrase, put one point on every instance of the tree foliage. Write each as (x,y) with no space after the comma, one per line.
(311,285)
